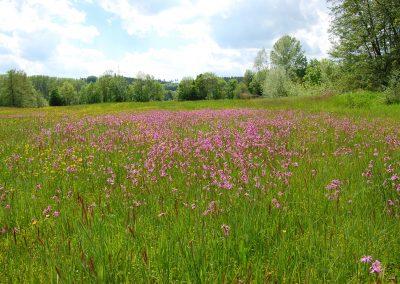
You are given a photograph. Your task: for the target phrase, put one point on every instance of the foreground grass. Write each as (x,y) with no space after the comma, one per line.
(293,190)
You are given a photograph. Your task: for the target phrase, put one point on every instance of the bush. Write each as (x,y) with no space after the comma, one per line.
(241,91)
(278,84)
(392,93)
(56,99)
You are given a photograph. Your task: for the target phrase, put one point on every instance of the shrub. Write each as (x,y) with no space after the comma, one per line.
(241,91)
(277,84)
(392,93)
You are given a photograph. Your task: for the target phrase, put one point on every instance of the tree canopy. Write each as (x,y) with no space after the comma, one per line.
(288,54)
(367,39)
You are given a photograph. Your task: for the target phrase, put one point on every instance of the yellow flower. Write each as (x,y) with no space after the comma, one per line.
(284,231)
(34,222)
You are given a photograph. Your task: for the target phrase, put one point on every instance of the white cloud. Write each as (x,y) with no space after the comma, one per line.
(53,37)
(188,60)
(177,18)
(31,31)
(189,20)
(316,36)
(163,63)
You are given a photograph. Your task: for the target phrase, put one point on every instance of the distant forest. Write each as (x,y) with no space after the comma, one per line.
(365,55)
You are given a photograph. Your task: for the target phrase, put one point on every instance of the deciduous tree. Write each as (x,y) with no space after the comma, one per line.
(287,53)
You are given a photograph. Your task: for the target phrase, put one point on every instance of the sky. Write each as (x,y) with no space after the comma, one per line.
(169,39)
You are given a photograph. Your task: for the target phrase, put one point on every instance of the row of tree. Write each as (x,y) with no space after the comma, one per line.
(19,90)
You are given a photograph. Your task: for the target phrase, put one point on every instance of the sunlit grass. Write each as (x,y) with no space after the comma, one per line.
(203,192)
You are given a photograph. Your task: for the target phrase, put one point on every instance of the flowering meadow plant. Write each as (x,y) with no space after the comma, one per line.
(235,195)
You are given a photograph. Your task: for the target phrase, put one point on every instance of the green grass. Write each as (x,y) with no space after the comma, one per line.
(122,220)
(358,103)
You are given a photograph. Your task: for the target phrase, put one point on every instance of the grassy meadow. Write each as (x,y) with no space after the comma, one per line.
(296,190)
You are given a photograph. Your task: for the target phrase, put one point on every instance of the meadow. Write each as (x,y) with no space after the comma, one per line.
(297,190)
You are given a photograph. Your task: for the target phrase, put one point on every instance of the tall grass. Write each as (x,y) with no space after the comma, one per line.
(161,192)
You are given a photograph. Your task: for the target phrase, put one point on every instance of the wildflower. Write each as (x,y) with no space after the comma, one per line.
(34,221)
(8,206)
(162,214)
(334,189)
(225,228)
(47,210)
(334,184)
(3,231)
(366,259)
(193,206)
(56,214)
(212,208)
(276,203)
(394,177)
(376,267)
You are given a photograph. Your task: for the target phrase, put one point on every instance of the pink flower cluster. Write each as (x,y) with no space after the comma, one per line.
(376,266)
(334,189)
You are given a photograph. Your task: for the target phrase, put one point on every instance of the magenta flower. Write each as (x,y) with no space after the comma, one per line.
(334,189)
(335,184)
(56,214)
(376,267)
(47,210)
(276,203)
(366,259)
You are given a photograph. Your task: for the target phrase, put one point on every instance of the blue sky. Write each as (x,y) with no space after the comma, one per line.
(169,39)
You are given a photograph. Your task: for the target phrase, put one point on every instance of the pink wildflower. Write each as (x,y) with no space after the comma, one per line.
(334,189)
(226,229)
(211,209)
(366,259)
(276,203)
(47,210)
(376,267)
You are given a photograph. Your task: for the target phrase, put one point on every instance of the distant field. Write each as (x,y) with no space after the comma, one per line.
(358,103)
(287,190)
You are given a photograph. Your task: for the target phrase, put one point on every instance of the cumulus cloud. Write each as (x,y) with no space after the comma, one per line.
(183,37)
(32,30)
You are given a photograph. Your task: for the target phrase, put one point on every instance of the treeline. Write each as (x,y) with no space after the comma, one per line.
(285,71)
(19,90)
